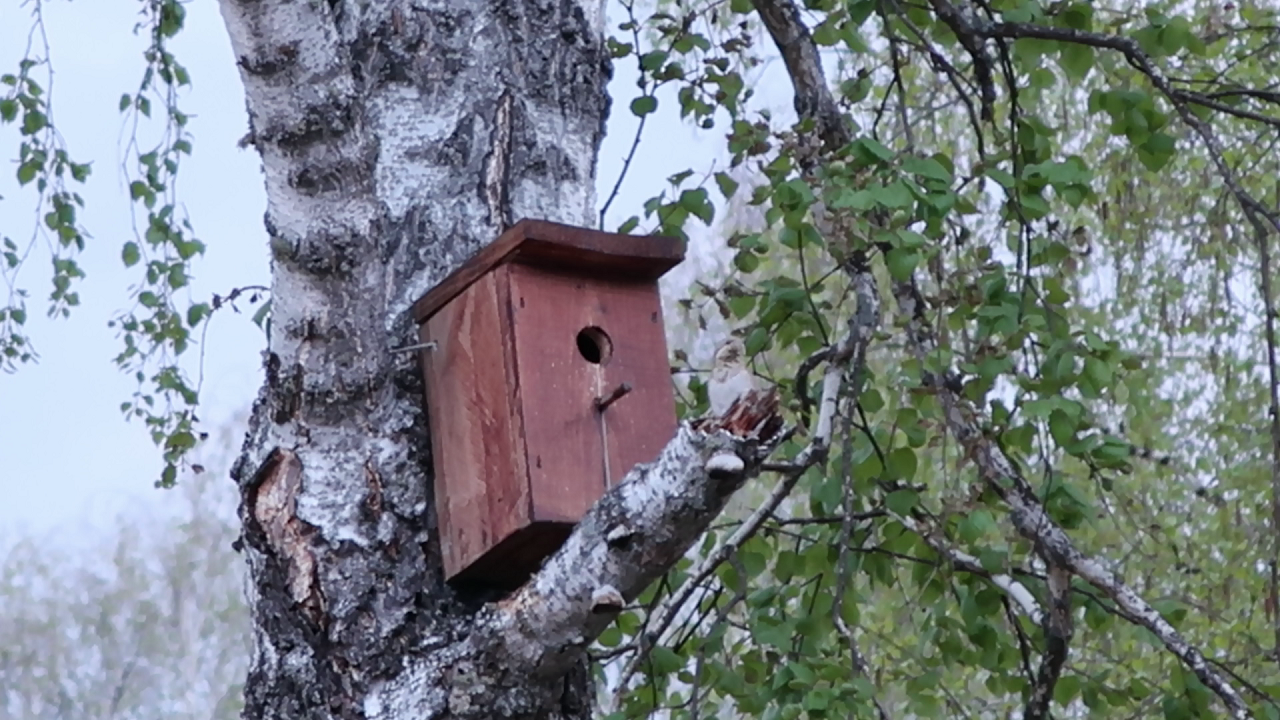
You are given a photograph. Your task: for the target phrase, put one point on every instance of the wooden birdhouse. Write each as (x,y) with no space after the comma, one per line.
(533,338)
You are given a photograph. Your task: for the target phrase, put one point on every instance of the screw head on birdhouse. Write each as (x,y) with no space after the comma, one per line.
(547,382)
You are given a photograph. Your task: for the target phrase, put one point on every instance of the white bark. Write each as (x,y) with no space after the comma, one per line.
(517,648)
(398,137)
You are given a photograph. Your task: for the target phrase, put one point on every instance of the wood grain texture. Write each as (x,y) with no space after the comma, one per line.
(568,440)
(481,484)
(562,247)
(521,452)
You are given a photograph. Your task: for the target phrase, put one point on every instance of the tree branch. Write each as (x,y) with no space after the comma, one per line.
(849,352)
(781,18)
(1032,521)
(961,560)
(813,99)
(1255,211)
(631,536)
(1057,632)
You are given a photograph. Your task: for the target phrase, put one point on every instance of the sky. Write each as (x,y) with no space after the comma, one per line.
(68,458)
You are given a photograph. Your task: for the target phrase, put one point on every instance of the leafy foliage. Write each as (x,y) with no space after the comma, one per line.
(160,326)
(1072,209)
(1092,277)
(44,163)
(156,331)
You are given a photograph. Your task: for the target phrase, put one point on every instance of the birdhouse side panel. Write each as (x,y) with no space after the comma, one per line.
(481,484)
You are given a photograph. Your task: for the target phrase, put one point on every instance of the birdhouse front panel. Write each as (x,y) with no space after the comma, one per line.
(577,340)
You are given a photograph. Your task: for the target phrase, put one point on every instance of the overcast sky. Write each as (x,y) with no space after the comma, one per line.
(67,456)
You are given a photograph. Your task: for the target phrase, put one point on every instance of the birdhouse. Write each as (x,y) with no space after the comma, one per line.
(547,380)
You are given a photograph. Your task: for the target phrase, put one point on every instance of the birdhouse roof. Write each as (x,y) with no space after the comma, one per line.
(562,247)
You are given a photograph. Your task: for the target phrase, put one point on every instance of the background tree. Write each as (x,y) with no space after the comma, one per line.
(1008,306)
(145,618)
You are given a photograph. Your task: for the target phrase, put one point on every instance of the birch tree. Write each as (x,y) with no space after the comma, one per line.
(913,290)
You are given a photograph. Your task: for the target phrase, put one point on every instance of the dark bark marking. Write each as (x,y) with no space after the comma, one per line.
(373,500)
(329,119)
(286,395)
(496,180)
(455,151)
(270,62)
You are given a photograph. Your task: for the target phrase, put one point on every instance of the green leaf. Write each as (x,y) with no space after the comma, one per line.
(902,262)
(618,49)
(1079,16)
(1156,152)
(651,61)
(611,637)
(261,318)
(871,400)
(894,195)
(901,502)
(698,204)
(27,171)
(631,224)
(644,105)
(177,276)
(196,313)
(727,184)
(33,122)
(665,661)
(753,559)
(926,167)
(1006,180)
(975,524)
(746,261)
(826,34)
(181,440)
(687,42)
(1077,60)
(130,254)
(1024,12)
(874,148)
(901,464)
(1061,426)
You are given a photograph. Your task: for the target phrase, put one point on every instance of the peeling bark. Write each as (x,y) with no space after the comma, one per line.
(397,138)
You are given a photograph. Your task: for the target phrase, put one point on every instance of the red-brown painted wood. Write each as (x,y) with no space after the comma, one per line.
(476,437)
(520,450)
(560,386)
(563,247)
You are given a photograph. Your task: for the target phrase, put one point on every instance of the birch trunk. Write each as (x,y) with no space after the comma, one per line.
(397,137)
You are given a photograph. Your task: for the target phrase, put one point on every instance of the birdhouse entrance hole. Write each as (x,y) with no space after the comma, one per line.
(595,346)
(535,410)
